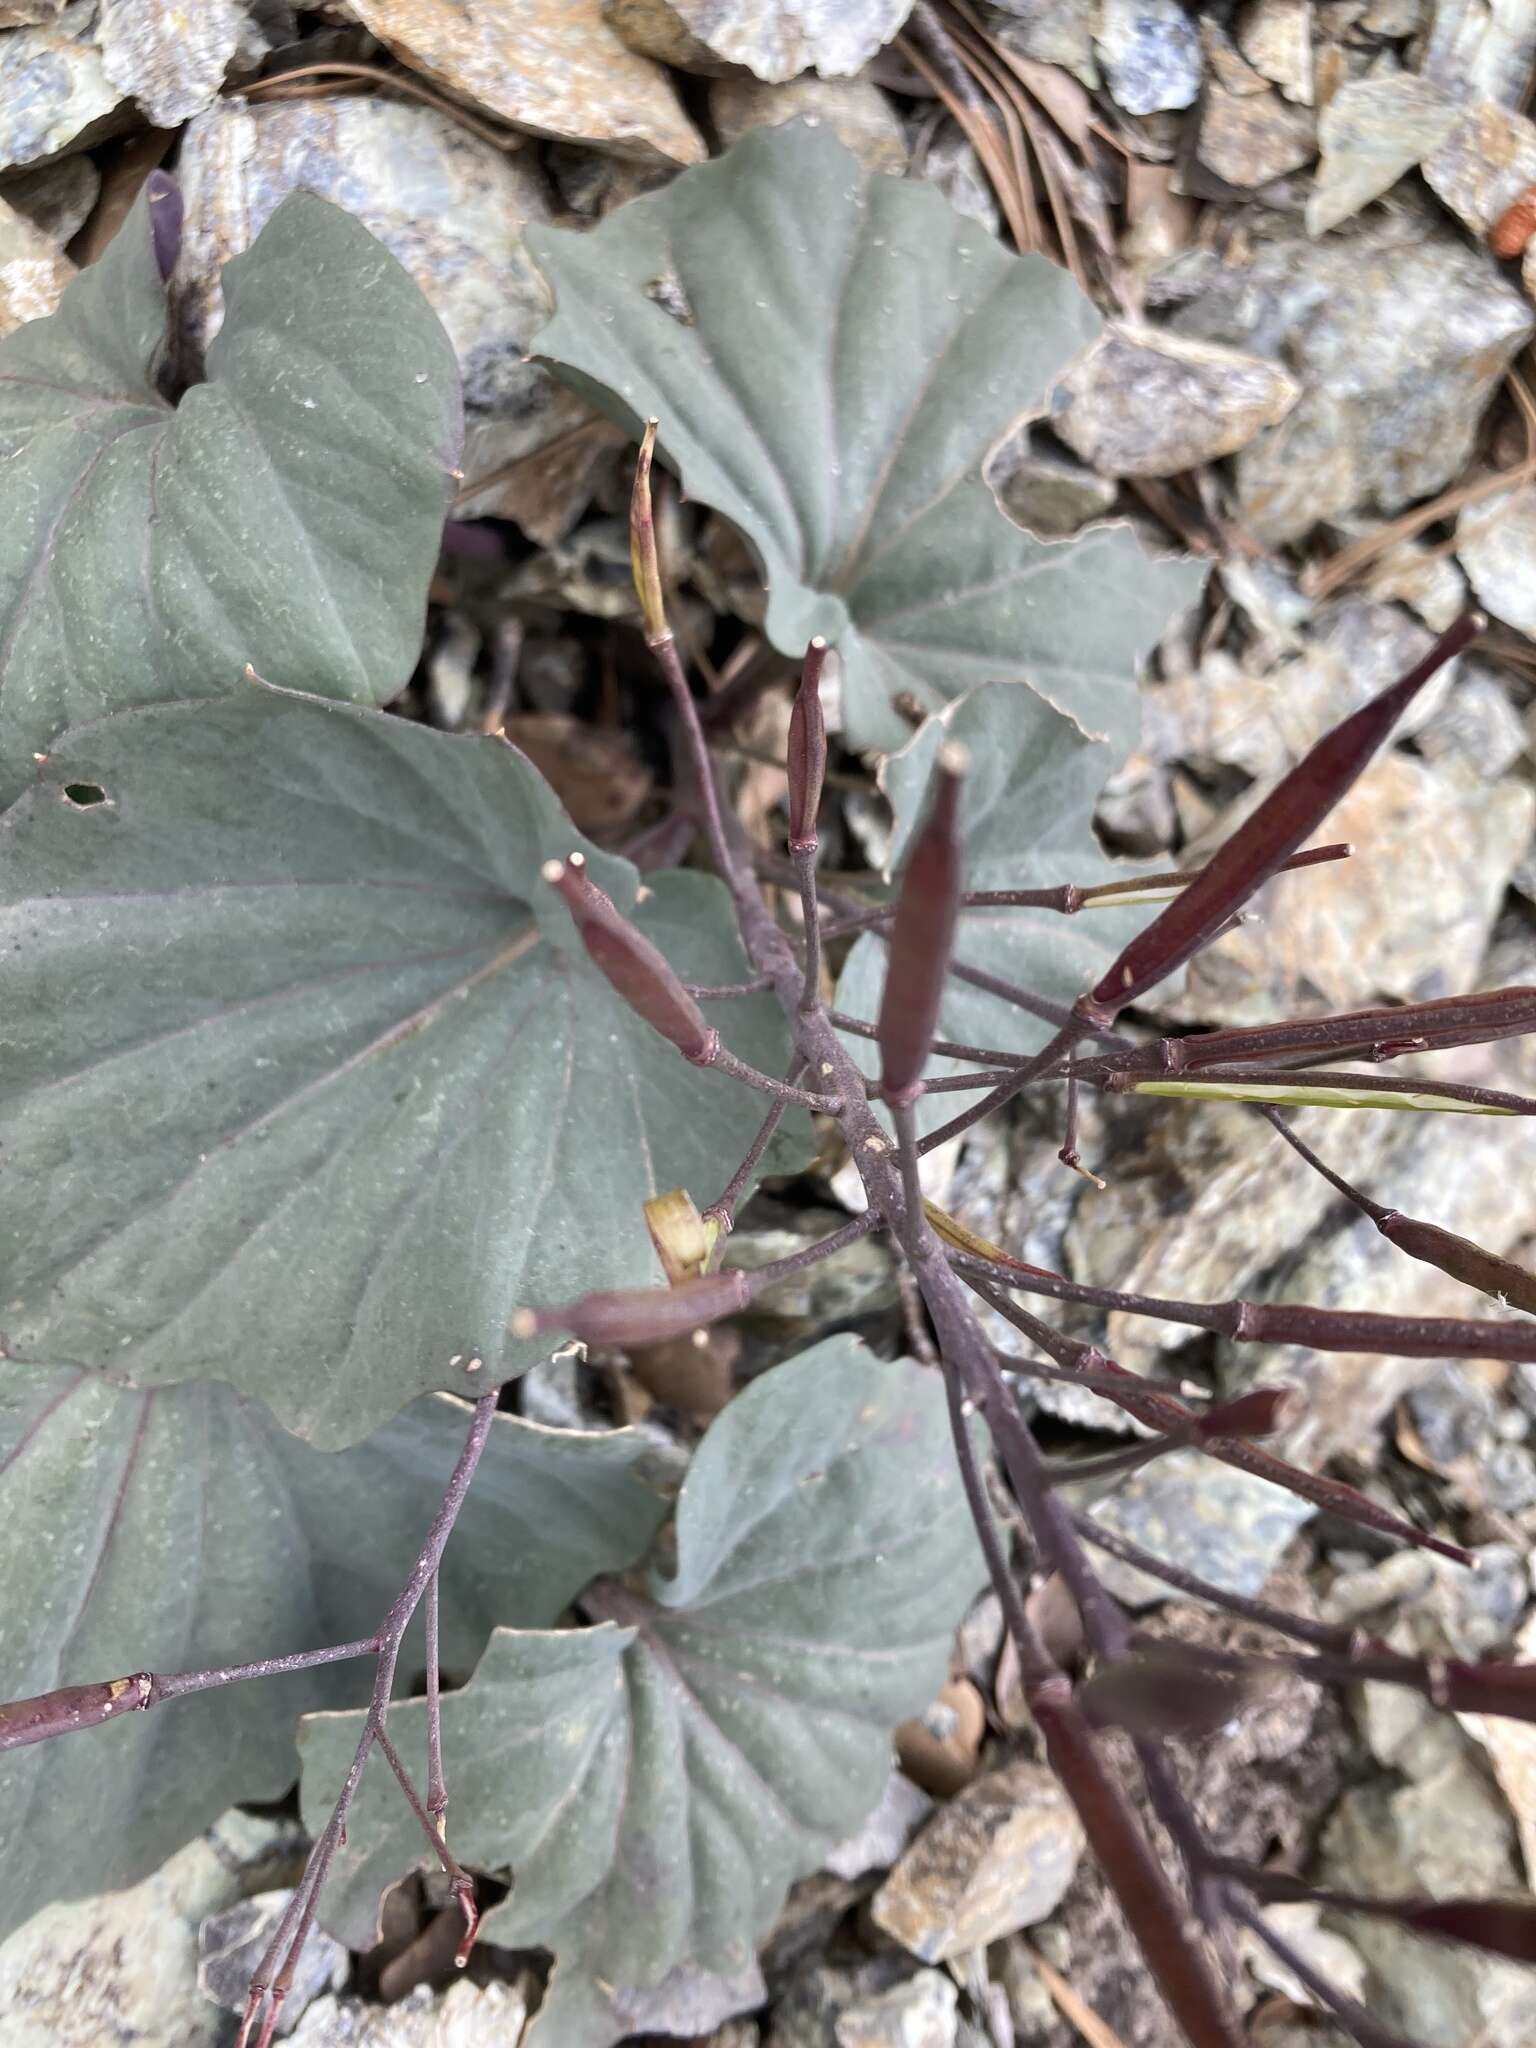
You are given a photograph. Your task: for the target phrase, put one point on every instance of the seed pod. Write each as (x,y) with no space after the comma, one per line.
(1514,226)
(641,1315)
(636,970)
(1259,1412)
(1289,815)
(807,751)
(644,563)
(1160,1694)
(922,936)
(71,1707)
(1463,1260)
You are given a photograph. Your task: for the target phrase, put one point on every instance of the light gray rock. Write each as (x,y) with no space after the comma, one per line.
(1468,1174)
(1370,133)
(1276,38)
(1262,713)
(1480,49)
(920,2012)
(33,271)
(1496,545)
(859,1280)
(1352,933)
(232,1943)
(886,1832)
(54,89)
(1448,1835)
(1228,1526)
(946,158)
(1476,731)
(774,42)
(452,210)
(465,2016)
(855,110)
(1142,402)
(997,1858)
(122,1968)
(1250,139)
(1049,31)
(1150,53)
(556,67)
(1398,334)
(1044,490)
(1484,163)
(173,60)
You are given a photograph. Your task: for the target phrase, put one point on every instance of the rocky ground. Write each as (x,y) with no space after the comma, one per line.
(1319,378)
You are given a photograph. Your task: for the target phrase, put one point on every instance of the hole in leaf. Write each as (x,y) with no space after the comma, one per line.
(83,794)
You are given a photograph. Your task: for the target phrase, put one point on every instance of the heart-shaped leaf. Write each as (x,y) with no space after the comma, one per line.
(308,1081)
(285,513)
(182,1530)
(658,1781)
(1026,820)
(832,354)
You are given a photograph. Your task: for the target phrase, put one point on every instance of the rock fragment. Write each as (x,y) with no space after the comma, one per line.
(1150,51)
(774,41)
(554,67)
(1142,402)
(855,110)
(998,1857)
(1370,133)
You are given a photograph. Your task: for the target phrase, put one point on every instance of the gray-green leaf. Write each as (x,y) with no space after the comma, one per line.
(658,1781)
(1026,819)
(286,513)
(307,1082)
(832,355)
(181,1529)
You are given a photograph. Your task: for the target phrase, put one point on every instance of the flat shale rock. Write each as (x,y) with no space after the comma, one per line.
(1496,545)
(1473,1175)
(554,67)
(1276,38)
(1370,133)
(1398,334)
(122,1968)
(173,60)
(452,209)
(1484,162)
(1141,402)
(773,39)
(1050,31)
(1449,1836)
(1150,53)
(54,89)
(1250,139)
(998,1857)
(1228,1526)
(1406,919)
(33,270)
(1044,490)
(855,110)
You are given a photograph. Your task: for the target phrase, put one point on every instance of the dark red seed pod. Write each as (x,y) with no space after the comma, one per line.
(807,751)
(1514,226)
(633,966)
(1486,1271)
(1260,1412)
(1159,1694)
(641,1315)
(1289,815)
(922,937)
(71,1707)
